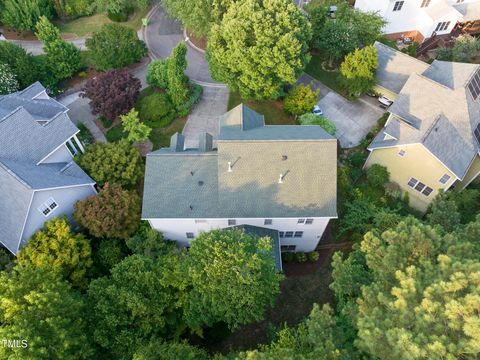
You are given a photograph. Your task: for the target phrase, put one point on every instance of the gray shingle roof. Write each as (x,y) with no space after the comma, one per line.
(436,110)
(305,155)
(395,67)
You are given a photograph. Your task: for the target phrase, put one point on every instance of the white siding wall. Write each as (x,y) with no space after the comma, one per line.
(176,229)
(62,154)
(65,199)
(410,17)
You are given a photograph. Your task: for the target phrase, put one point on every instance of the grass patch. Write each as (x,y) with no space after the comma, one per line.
(89,24)
(328,78)
(160,137)
(271,109)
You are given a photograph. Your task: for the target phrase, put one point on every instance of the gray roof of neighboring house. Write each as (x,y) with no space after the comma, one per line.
(261,232)
(31,127)
(307,160)
(395,67)
(435,109)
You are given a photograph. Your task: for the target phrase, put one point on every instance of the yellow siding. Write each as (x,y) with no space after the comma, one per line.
(381,90)
(470,175)
(418,163)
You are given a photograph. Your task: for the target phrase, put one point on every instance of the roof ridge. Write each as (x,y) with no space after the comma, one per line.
(11,113)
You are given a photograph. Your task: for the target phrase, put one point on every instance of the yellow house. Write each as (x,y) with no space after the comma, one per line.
(431,138)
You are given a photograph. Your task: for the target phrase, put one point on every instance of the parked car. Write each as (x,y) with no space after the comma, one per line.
(385,101)
(317,111)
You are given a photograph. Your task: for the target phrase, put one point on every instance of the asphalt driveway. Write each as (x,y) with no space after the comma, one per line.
(354,119)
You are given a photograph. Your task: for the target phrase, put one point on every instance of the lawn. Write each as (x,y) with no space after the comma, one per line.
(328,78)
(271,109)
(89,24)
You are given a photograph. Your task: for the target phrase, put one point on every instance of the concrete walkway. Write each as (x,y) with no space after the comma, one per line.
(36,47)
(353,119)
(205,114)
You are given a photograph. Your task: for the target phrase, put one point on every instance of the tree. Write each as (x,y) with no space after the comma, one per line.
(337,39)
(300,100)
(423,295)
(24,14)
(118,163)
(112,93)
(258,47)
(194,14)
(56,247)
(115,46)
(177,82)
(63,58)
(357,72)
(232,278)
(377,175)
(41,308)
(137,131)
(158,350)
(443,211)
(465,47)
(8,80)
(113,213)
(148,242)
(322,121)
(132,306)
(157,73)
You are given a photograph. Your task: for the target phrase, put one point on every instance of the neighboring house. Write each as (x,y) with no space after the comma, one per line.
(419,19)
(431,138)
(277,177)
(38,178)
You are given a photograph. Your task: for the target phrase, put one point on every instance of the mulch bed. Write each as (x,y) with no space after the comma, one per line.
(200,42)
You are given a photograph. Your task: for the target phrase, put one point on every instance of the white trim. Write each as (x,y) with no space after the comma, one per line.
(471,180)
(79,143)
(58,147)
(25,221)
(64,187)
(226,218)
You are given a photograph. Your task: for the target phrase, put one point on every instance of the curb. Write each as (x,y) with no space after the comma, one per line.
(143,29)
(187,40)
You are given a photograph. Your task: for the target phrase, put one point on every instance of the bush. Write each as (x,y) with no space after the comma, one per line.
(85,136)
(393,190)
(77,8)
(301,257)
(377,175)
(322,121)
(157,73)
(300,100)
(121,16)
(195,93)
(156,110)
(288,257)
(313,256)
(8,80)
(357,159)
(107,123)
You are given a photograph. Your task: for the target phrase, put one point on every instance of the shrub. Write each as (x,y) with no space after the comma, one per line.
(357,159)
(105,122)
(127,50)
(156,110)
(322,121)
(377,175)
(85,135)
(76,8)
(288,257)
(112,93)
(136,130)
(301,257)
(393,190)
(195,93)
(157,73)
(300,100)
(313,256)
(8,80)
(112,213)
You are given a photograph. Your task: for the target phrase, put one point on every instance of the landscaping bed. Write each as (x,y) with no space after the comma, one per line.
(315,69)
(199,42)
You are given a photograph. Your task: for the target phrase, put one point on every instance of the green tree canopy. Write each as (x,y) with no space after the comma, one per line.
(300,100)
(132,306)
(259,46)
(24,14)
(231,277)
(357,72)
(137,131)
(113,213)
(118,163)
(159,350)
(8,80)
(115,46)
(322,121)
(177,82)
(58,248)
(40,307)
(464,48)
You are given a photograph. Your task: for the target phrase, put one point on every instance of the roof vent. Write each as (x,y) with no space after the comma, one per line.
(229,166)
(284,157)
(200,183)
(177,142)
(191,207)
(205,142)
(191,173)
(280,179)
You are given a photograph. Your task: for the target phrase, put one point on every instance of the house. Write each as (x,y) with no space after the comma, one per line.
(276,177)
(432,135)
(38,178)
(420,19)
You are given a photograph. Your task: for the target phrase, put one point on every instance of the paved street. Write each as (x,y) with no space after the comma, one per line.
(354,119)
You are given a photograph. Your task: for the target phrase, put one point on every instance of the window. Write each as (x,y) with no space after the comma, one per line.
(427,191)
(200,221)
(425,3)
(474,85)
(412,182)
(401,153)
(232,222)
(420,186)
(288,247)
(298,234)
(398,5)
(477,133)
(459,1)
(281,234)
(444,179)
(301,221)
(289,234)
(308,221)
(190,235)
(267,222)
(442,26)
(48,207)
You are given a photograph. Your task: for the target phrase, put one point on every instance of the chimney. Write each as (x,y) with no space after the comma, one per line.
(280,179)
(177,142)
(205,142)
(229,166)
